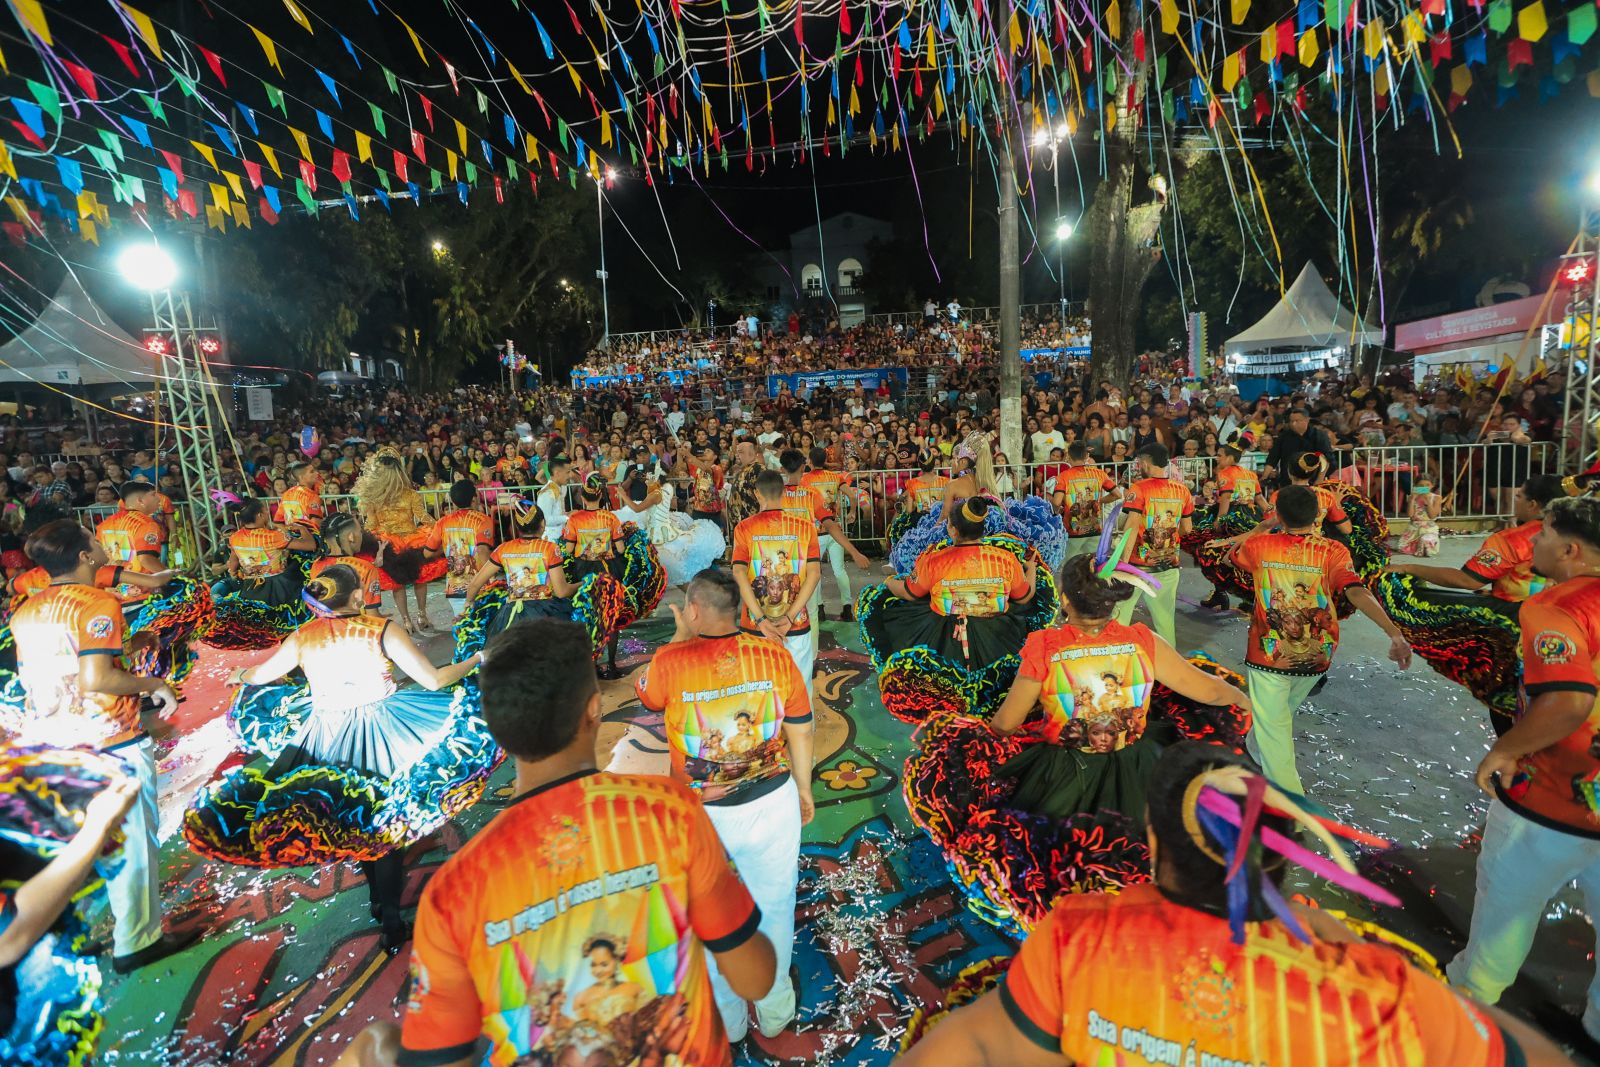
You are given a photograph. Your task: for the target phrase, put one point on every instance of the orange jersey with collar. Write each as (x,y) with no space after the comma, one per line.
(725,701)
(1084,487)
(1559,786)
(458,535)
(598,944)
(828,483)
(260,551)
(1506,562)
(775,547)
(53,629)
(1329,511)
(527,562)
(1294,621)
(371,587)
(344,661)
(1186,994)
(301,506)
(806,503)
(1158,507)
(1242,485)
(1094,689)
(124,536)
(591,535)
(973,580)
(926,489)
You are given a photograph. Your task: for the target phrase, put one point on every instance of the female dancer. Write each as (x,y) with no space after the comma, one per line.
(1031,520)
(1024,818)
(594,542)
(359,768)
(343,535)
(535,585)
(258,604)
(1235,511)
(394,513)
(948,635)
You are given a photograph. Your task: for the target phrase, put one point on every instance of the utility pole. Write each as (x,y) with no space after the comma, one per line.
(1010,268)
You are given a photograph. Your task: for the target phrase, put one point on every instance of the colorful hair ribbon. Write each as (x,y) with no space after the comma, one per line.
(223,498)
(1109,562)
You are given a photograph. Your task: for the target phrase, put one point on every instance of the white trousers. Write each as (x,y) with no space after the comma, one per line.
(1521,866)
(803,647)
(135,892)
(833,552)
(763,840)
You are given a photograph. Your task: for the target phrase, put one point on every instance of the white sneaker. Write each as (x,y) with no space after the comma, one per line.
(775,1013)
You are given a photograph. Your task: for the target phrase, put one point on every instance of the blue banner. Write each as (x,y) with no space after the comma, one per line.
(672,377)
(867,377)
(1069,351)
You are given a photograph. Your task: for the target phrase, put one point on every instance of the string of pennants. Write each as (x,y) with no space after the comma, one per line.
(935,64)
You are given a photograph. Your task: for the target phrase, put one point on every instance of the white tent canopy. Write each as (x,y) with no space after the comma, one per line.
(1308,317)
(73,342)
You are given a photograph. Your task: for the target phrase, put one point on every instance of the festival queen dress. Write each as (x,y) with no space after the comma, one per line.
(685,546)
(358,767)
(404,529)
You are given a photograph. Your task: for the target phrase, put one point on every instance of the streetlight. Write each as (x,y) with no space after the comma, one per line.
(439,248)
(1063,229)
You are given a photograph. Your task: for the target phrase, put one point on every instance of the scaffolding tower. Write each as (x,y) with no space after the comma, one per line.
(194,409)
(1580,442)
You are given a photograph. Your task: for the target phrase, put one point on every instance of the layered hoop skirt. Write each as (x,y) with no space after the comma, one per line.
(164,626)
(1021,820)
(403,559)
(345,784)
(1473,640)
(684,546)
(256,613)
(1030,520)
(599,606)
(924,666)
(638,568)
(1207,527)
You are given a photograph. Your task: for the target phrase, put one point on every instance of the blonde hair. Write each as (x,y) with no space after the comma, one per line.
(981,445)
(383,485)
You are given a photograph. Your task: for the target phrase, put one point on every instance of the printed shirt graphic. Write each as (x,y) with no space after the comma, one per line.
(706,494)
(1159,506)
(1242,484)
(52,629)
(1294,626)
(725,700)
(775,547)
(589,535)
(512,470)
(973,580)
(1095,688)
(1084,487)
(596,952)
(1184,994)
(805,503)
(828,483)
(260,552)
(344,661)
(29,582)
(458,535)
(300,505)
(1506,562)
(926,489)
(124,535)
(528,563)
(1329,510)
(1560,785)
(371,586)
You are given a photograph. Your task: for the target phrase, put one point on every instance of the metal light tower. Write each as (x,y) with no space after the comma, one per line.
(1581,399)
(190,392)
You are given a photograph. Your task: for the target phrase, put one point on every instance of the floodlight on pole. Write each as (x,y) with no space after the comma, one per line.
(148,266)
(1064,229)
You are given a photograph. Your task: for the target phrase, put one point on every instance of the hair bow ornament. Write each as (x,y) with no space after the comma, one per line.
(1112,551)
(223,498)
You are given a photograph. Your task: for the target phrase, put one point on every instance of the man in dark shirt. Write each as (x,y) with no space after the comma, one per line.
(1299,436)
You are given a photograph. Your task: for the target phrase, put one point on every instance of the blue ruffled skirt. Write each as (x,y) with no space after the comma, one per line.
(1031,520)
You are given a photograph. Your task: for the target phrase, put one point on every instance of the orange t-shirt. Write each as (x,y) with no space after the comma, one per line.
(459,534)
(973,580)
(125,536)
(1329,511)
(828,483)
(1294,622)
(52,629)
(300,505)
(1560,786)
(1094,688)
(806,503)
(371,587)
(527,562)
(1161,505)
(591,535)
(260,551)
(926,489)
(29,582)
(1083,487)
(775,547)
(596,948)
(725,700)
(1242,485)
(1506,562)
(344,661)
(1183,992)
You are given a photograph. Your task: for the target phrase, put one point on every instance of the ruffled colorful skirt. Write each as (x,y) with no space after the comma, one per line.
(403,559)
(353,784)
(929,663)
(1030,520)
(1473,640)
(965,787)
(50,1004)
(256,613)
(599,606)
(638,568)
(1207,527)
(902,523)
(173,617)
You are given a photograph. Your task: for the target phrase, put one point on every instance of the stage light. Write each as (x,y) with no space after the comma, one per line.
(210,345)
(148,266)
(157,345)
(1578,271)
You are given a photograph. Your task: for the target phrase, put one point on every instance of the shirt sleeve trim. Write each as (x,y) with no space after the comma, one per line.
(1540,688)
(99,651)
(746,930)
(1466,568)
(434,1057)
(1031,1030)
(1515,1057)
(798,720)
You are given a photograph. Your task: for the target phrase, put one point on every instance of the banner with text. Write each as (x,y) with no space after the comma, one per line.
(866,377)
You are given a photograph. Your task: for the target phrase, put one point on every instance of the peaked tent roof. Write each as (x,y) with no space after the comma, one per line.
(73,342)
(1308,316)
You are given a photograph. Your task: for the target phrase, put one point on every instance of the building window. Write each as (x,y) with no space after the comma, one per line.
(850,271)
(811,278)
